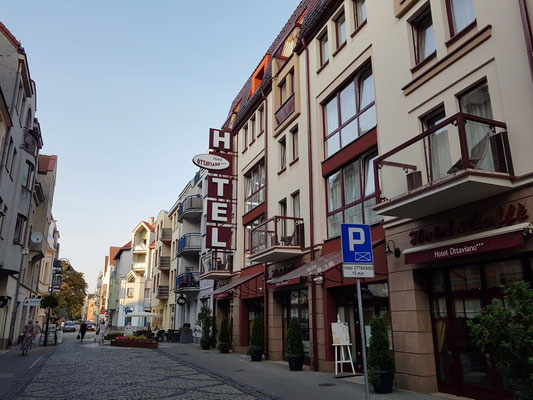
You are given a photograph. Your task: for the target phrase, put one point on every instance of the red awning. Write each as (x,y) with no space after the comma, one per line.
(223,292)
(495,239)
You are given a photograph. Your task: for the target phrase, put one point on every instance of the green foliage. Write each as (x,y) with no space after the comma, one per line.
(224,336)
(295,345)
(113,335)
(214,332)
(72,295)
(142,332)
(257,340)
(507,330)
(380,357)
(49,300)
(205,322)
(186,327)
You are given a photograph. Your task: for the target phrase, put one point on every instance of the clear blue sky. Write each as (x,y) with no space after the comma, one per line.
(126,93)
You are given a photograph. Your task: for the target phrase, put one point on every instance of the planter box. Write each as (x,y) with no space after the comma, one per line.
(146,344)
(186,337)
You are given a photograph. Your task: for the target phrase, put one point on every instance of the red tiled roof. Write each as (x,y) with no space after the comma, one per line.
(113,251)
(147,225)
(152,246)
(127,246)
(9,36)
(47,163)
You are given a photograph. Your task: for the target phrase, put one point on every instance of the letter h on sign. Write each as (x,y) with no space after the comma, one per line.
(220,140)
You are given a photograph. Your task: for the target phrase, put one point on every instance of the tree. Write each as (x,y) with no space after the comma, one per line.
(72,295)
(295,346)
(205,322)
(49,300)
(506,329)
(380,357)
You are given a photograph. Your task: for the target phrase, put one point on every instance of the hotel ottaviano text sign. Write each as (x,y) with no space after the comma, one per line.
(220,189)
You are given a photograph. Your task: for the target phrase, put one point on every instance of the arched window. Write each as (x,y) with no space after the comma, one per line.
(131,279)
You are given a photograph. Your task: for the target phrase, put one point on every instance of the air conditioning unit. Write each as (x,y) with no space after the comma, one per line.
(414,180)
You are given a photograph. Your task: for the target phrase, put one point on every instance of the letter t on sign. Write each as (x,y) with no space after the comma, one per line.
(220,140)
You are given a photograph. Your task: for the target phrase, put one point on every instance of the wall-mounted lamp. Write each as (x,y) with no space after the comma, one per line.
(319,279)
(397,252)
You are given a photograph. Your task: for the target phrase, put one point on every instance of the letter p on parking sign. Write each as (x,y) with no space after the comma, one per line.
(356,244)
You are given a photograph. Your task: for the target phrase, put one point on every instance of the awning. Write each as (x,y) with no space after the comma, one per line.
(223,291)
(495,239)
(318,265)
(143,315)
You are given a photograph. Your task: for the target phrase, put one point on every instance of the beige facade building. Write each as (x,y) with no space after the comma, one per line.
(162,275)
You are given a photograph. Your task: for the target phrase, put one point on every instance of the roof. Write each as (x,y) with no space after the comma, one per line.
(242,96)
(126,247)
(223,291)
(47,163)
(12,39)
(152,246)
(150,227)
(113,251)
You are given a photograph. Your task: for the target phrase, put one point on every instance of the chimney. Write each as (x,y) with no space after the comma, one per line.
(151,220)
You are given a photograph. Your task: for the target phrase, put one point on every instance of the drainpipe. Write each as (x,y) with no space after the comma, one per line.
(265,274)
(311,205)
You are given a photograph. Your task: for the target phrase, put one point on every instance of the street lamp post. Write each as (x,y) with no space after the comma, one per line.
(57,270)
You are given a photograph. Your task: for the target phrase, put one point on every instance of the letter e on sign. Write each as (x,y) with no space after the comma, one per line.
(218,212)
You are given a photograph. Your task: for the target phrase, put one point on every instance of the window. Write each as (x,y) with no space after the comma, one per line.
(3,212)
(9,153)
(12,164)
(254,187)
(437,145)
(296,205)
(252,129)
(324,51)
(146,293)
(245,135)
(258,240)
(282,154)
(283,213)
(360,12)
(28,184)
(461,13)
(261,121)
(340,30)
(351,195)
(286,88)
(294,136)
(130,293)
(423,36)
(20,227)
(350,113)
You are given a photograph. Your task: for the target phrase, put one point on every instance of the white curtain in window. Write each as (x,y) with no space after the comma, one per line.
(367,90)
(347,98)
(463,14)
(334,192)
(352,183)
(440,153)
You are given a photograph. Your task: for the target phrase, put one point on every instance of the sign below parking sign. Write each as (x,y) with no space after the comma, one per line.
(357,255)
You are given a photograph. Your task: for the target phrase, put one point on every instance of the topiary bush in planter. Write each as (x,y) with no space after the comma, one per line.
(186,333)
(205,322)
(380,357)
(224,337)
(257,340)
(506,330)
(295,345)
(214,332)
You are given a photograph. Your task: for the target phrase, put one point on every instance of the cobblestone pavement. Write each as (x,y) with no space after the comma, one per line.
(89,371)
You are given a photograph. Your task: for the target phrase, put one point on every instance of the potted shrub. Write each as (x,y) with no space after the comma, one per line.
(186,333)
(380,357)
(205,322)
(295,346)
(224,337)
(257,340)
(214,331)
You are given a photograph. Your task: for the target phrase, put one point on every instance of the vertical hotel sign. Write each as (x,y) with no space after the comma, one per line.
(220,189)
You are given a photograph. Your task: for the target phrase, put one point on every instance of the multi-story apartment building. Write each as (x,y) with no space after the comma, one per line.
(19,160)
(162,275)
(108,280)
(136,284)
(122,259)
(410,117)
(186,217)
(45,276)
(39,223)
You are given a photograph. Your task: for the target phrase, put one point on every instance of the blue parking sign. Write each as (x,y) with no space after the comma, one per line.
(356,244)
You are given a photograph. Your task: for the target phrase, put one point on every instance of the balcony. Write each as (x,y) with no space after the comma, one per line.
(138,266)
(162,292)
(190,243)
(285,110)
(187,282)
(140,248)
(216,265)
(190,208)
(166,235)
(277,239)
(163,263)
(464,158)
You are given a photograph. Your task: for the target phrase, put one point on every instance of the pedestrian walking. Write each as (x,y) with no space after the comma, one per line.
(37,331)
(83,330)
(28,338)
(102,329)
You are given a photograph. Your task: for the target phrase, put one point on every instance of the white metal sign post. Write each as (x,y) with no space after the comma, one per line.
(358,262)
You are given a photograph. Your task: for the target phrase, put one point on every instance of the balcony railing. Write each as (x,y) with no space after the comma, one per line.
(162,292)
(216,264)
(277,238)
(138,265)
(285,110)
(190,206)
(188,280)
(163,263)
(140,247)
(190,242)
(166,234)
(462,145)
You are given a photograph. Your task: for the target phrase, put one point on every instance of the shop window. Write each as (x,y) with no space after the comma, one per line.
(340,30)
(465,278)
(323,48)
(350,113)
(351,195)
(360,12)
(254,187)
(296,305)
(461,13)
(423,35)
(503,273)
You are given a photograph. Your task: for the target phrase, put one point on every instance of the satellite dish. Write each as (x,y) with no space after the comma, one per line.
(36,237)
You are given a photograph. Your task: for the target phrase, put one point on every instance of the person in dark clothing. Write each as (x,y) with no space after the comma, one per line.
(83,330)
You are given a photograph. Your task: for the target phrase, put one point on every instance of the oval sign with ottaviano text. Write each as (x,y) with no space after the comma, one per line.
(210,161)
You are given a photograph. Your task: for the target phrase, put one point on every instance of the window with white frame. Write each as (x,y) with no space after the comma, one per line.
(423,35)
(340,30)
(254,186)
(351,195)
